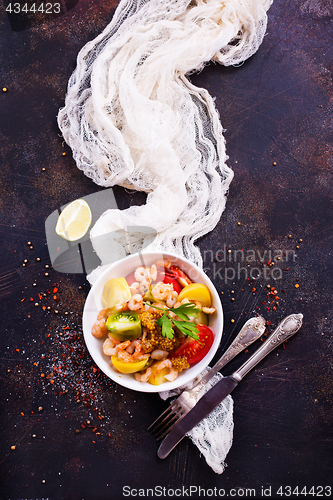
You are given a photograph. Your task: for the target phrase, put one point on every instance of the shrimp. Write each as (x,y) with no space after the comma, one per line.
(135,287)
(161,290)
(135,348)
(103,314)
(140,274)
(209,310)
(143,376)
(99,328)
(144,285)
(166,363)
(123,345)
(121,307)
(172,375)
(129,358)
(159,355)
(161,263)
(109,347)
(172,299)
(135,303)
(153,272)
(124,356)
(160,305)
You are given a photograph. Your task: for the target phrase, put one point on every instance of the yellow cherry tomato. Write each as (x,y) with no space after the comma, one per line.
(131,367)
(115,291)
(194,292)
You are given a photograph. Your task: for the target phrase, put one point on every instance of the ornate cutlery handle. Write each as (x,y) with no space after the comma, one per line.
(288,327)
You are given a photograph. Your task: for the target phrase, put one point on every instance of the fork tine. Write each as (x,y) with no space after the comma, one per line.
(162,418)
(166,429)
(167,424)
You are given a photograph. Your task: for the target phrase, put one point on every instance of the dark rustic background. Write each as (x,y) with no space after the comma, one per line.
(76,434)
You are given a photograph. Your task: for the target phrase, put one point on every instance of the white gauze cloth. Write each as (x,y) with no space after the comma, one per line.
(133,118)
(213,435)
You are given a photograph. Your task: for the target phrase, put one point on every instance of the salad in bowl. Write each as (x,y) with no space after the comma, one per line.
(152,322)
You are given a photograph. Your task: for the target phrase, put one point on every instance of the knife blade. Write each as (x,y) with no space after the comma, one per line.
(288,327)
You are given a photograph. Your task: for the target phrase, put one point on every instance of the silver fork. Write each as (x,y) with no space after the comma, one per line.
(252,330)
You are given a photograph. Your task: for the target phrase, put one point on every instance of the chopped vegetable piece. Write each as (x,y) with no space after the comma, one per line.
(115,291)
(193,350)
(157,378)
(131,367)
(125,325)
(202,319)
(196,292)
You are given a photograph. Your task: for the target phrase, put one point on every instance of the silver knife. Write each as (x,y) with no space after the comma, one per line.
(288,327)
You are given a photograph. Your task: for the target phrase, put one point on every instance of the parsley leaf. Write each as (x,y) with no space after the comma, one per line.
(186,310)
(166,325)
(188,329)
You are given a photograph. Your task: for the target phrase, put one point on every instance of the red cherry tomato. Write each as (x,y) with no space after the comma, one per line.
(180,276)
(192,349)
(166,277)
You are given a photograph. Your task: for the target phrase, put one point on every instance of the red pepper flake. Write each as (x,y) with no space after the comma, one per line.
(254,289)
(283,346)
(22,300)
(246,351)
(55,289)
(66,328)
(17,350)
(22,413)
(31,299)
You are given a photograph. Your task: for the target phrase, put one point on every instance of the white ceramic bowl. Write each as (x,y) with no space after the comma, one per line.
(93,304)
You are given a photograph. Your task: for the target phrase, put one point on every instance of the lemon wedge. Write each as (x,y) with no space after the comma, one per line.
(74,221)
(115,291)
